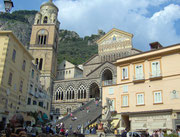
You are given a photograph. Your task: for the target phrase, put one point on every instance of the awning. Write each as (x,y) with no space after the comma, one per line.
(158,125)
(115,123)
(139,125)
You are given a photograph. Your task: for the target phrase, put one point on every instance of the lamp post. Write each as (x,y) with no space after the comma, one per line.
(8,5)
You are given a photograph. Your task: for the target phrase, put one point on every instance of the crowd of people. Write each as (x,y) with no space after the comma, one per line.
(156,133)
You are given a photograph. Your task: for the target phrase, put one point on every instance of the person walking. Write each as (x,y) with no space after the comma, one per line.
(34,131)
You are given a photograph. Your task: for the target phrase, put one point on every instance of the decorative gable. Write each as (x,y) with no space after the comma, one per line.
(114,40)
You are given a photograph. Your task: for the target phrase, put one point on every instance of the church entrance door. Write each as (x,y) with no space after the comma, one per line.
(94,91)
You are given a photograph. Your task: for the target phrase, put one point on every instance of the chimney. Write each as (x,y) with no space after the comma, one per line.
(155,45)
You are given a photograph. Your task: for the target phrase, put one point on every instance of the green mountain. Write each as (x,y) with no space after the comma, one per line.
(72,47)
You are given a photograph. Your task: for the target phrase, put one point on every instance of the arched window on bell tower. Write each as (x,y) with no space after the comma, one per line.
(45,20)
(42,37)
(38,21)
(40,64)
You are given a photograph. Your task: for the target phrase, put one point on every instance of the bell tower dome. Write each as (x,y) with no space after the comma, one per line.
(44,43)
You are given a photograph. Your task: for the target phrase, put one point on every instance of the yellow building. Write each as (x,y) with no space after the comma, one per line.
(15,64)
(37,98)
(147,92)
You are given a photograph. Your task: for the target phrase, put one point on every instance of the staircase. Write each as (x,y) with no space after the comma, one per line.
(84,118)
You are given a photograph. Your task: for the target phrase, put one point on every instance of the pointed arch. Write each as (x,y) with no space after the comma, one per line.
(94,90)
(59,93)
(81,92)
(70,93)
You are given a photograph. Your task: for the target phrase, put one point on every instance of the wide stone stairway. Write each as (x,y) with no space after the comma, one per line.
(86,115)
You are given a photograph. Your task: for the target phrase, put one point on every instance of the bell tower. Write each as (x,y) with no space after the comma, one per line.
(44,43)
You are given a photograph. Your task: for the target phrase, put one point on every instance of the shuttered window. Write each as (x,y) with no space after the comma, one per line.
(155,66)
(125,73)
(139,71)
(140,99)
(157,97)
(125,100)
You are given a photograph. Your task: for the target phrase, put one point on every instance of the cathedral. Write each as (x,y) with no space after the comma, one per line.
(69,85)
(70,91)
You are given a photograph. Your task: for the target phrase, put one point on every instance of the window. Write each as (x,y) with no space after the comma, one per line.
(45,19)
(155,67)
(112,107)
(37,77)
(81,92)
(40,64)
(125,100)
(139,71)
(34,102)
(21,86)
(42,39)
(69,72)
(32,73)
(111,91)
(10,79)
(57,110)
(41,104)
(14,55)
(125,88)
(36,62)
(31,87)
(29,101)
(140,99)
(125,73)
(157,97)
(24,65)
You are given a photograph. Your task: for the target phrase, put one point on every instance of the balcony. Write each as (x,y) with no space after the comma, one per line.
(36,94)
(155,76)
(139,79)
(41,95)
(31,92)
(108,82)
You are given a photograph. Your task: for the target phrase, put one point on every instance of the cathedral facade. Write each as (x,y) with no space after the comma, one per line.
(71,92)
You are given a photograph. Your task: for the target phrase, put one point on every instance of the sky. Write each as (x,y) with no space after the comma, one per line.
(147,20)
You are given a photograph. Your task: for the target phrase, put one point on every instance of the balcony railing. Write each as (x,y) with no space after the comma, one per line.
(31,92)
(41,95)
(156,75)
(108,82)
(139,78)
(36,94)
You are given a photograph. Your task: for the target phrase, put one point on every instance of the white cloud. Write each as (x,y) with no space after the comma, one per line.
(87,16)
(1,7)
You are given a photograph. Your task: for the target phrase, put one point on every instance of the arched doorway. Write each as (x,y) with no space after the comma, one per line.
(94,91)
(107,77)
